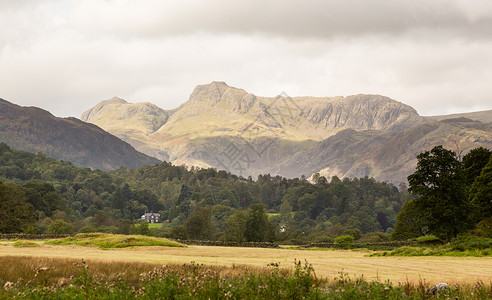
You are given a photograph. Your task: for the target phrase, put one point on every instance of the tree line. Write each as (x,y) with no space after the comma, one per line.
(199,203)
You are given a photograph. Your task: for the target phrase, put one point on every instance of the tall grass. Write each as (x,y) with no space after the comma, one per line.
(49,278)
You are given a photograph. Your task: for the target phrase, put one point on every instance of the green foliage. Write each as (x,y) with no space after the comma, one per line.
(427,238)
(192,281)
(105,199)
(88,229)
(16,214)
(440,182)
(411,222)
(462,246)
(453,195)
(481,192)
(178,233)
(143,228)
(44,197)
(236,226)
(374,237)
(103,240)
(256,223)
(60,227)
(344,239)
(484,228)
(125,226)
(474,162)
(471,243)
(199,224)
(27,244)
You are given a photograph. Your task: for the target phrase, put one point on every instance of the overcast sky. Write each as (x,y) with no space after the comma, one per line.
(67,55)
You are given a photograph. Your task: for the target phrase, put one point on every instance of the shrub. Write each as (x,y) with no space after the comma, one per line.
(484,228)
(143,229)
(374,237)
(356,233)
(428,239)
(60,227)
(88,229)
(471,243)
(344,239)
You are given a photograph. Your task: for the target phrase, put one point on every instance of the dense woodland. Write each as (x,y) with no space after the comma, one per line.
(42,195)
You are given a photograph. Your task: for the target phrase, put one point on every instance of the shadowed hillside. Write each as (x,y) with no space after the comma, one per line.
(86,145)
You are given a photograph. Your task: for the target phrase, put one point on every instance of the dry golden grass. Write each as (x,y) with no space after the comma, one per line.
(60,271)
(326,263)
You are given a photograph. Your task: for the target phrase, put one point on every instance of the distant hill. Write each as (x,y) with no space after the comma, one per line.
(86,145)
(384,155)
(228,128)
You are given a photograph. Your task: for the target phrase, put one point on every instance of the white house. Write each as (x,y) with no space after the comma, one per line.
(152,217)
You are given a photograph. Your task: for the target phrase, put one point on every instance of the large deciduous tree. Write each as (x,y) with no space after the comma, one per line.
(199,224)
(256,223)
(236,226)
(481,192)
(474,162)
(440,182)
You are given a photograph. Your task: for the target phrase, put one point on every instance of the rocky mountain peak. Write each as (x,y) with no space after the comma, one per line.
(215,92)
(354,135)
(91,114)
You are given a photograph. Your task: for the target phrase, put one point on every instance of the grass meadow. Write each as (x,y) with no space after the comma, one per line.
(226,272)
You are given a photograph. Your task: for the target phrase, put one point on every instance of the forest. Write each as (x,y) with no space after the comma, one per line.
(42,195)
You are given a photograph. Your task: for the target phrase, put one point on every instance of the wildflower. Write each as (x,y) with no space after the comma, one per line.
(8,285)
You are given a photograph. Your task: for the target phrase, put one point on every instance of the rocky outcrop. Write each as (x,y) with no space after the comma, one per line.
(145,116)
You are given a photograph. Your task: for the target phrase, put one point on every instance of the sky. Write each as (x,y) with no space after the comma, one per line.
(65,56)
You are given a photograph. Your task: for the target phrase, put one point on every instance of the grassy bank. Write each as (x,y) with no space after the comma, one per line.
(106,241)
(49,278)
(464,246)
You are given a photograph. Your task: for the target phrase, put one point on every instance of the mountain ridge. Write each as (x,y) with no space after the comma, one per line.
(216,116)
(87,145)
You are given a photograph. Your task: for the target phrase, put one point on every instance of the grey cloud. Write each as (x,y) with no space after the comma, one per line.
(66,55)
(310,18)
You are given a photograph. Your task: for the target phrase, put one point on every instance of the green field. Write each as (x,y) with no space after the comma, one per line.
(155,225)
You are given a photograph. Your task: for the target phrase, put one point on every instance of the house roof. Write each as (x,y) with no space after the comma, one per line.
(154,214)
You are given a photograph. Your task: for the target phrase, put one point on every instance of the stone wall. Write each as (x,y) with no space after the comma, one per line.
(21,236)
(229,244)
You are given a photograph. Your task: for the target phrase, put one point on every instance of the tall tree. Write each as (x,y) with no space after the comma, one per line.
(199,224)
(411,222)
(481,192)
(236,226)
(256,223)
(474,162)
(440,182)
(16,214)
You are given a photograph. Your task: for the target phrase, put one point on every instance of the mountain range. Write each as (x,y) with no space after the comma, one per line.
(228,128)
(84,144)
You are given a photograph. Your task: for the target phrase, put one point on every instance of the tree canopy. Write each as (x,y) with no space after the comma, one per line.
(447,204)
(16,214)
